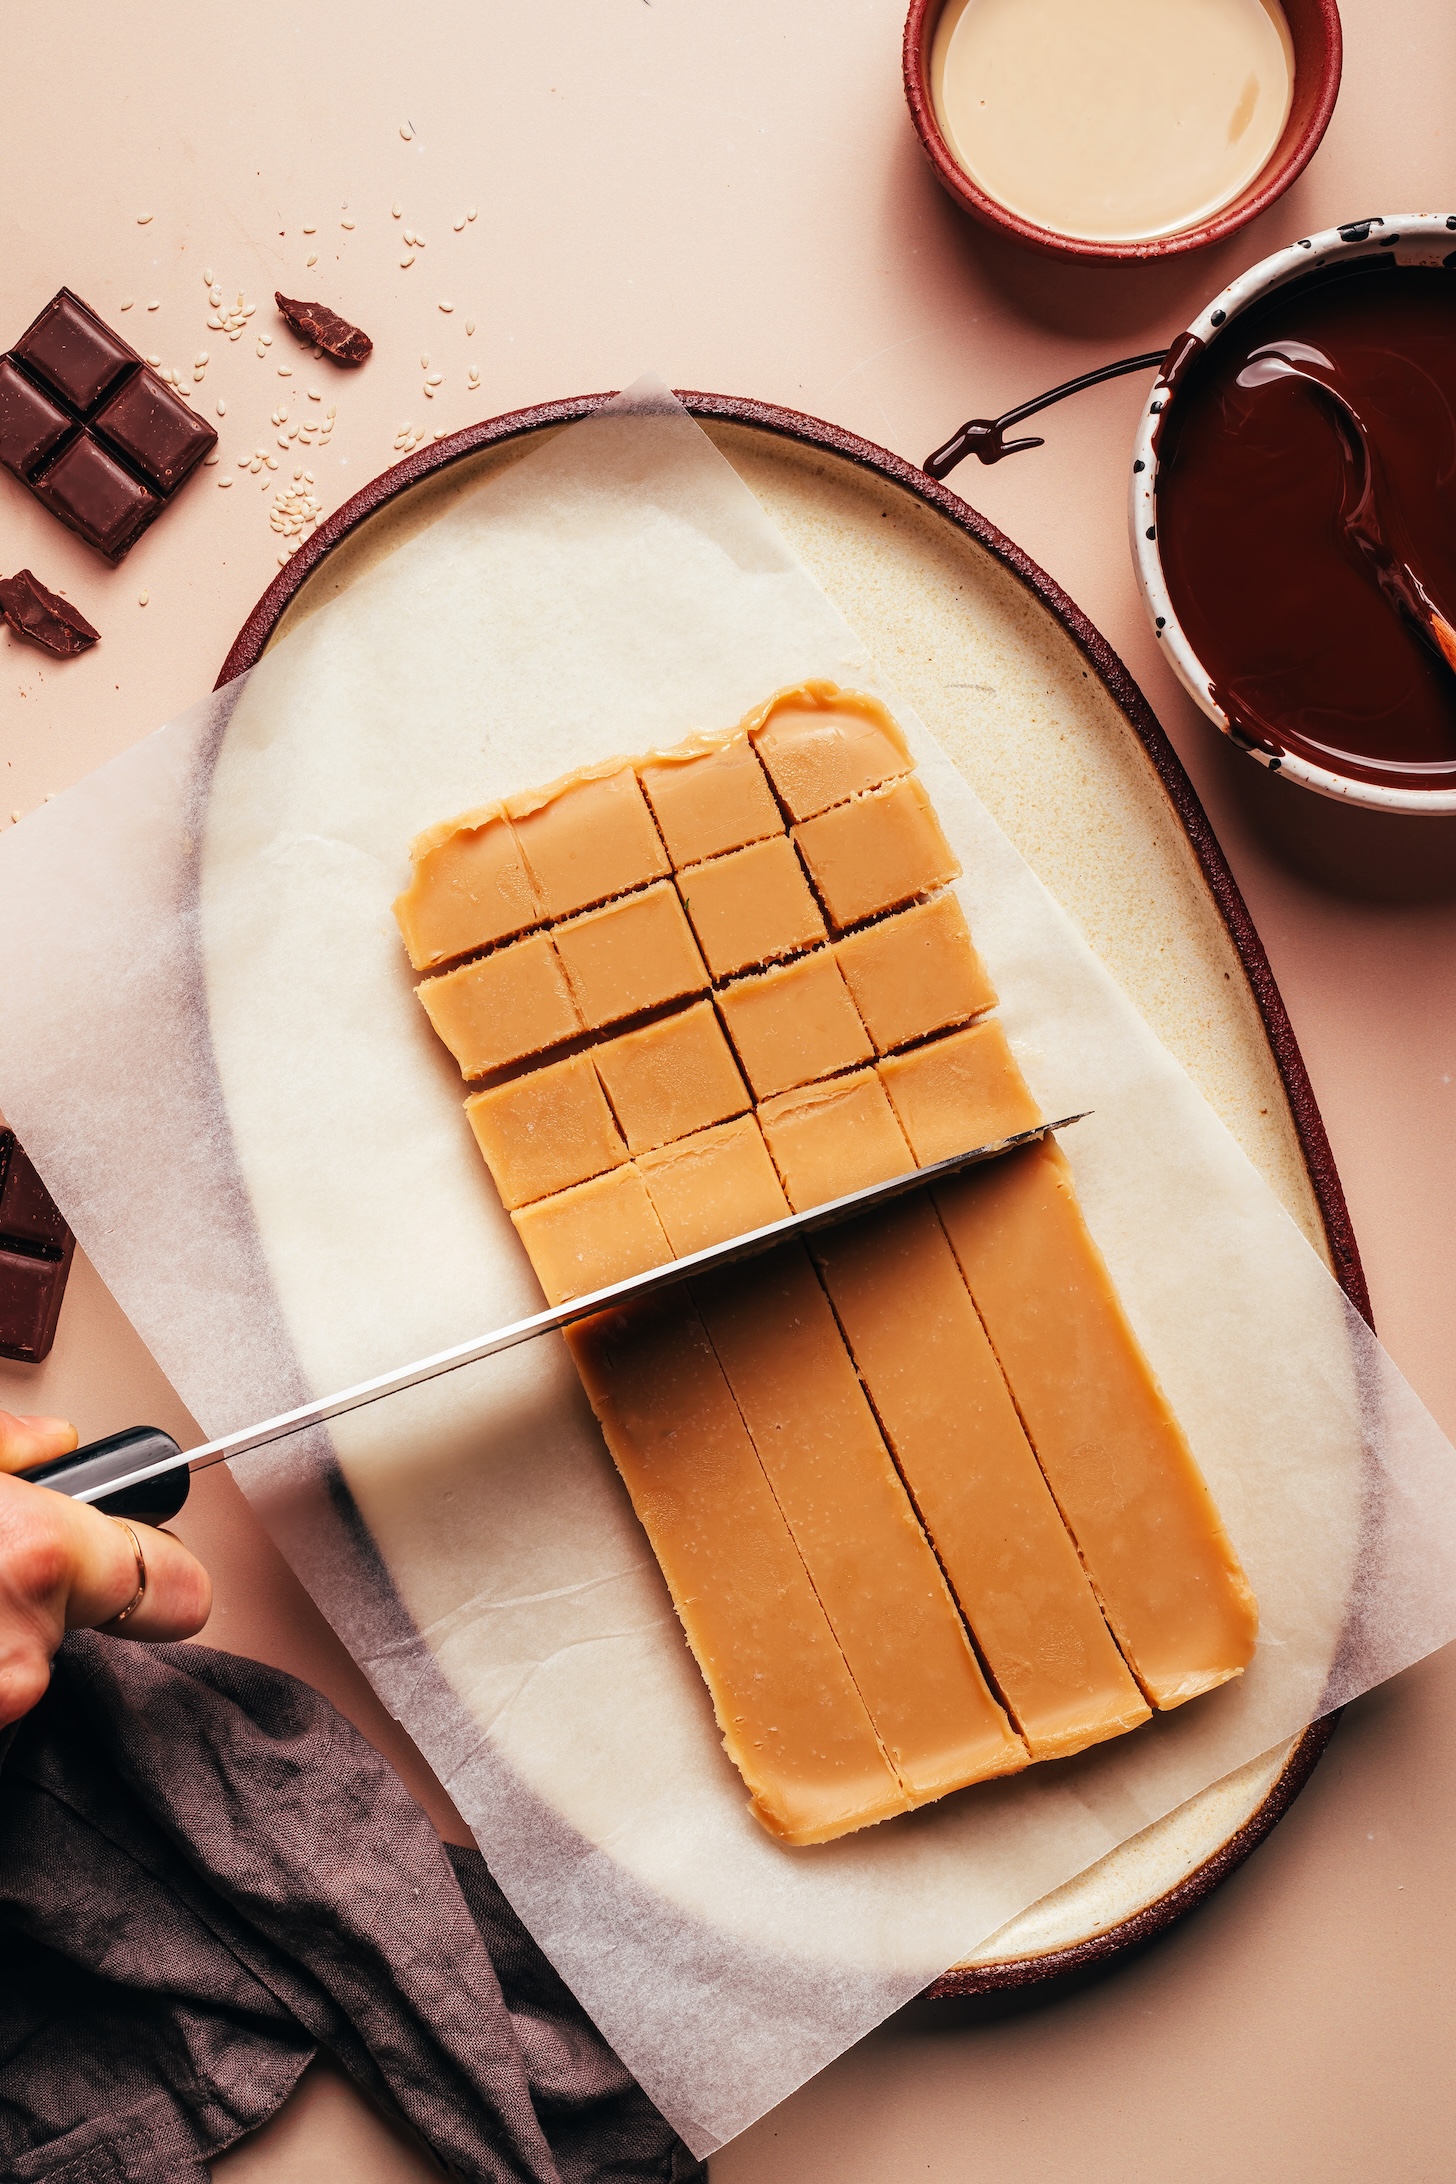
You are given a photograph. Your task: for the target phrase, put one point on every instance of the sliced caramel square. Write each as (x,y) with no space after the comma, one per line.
(830,1139)
(784,1358)
(468,890)
(543,1132)
(718,1184)
(751,907)
(593,1235)
(822,745)
(791,1720)
(915,973)
(947,1413)
(794,1023)
(958,1092)
(671,1078)
(876,853)
(502,1008)
(1114,1455)
(709,801)
(632,955)
(587,842)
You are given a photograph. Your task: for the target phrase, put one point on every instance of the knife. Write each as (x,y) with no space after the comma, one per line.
(142,1472)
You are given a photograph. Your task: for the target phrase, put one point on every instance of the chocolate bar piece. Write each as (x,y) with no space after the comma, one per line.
(315,322)
(99,439)
(36,1249)
(41,615)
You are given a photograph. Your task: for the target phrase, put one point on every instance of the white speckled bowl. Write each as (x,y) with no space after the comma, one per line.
(1050,730)
(1425,239)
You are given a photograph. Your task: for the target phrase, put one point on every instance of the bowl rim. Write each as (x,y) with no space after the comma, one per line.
(1413,239)
(1285,164)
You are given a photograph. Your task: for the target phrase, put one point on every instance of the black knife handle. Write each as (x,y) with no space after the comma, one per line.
(151,1501)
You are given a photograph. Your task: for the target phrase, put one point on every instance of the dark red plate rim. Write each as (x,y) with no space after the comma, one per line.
(427,462)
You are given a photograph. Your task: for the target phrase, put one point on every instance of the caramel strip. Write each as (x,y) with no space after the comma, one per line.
(791,1720)
(1112,1451)
(943,1403)
(880,1585)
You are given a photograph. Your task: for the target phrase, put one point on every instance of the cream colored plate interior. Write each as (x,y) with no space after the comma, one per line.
(1006,690)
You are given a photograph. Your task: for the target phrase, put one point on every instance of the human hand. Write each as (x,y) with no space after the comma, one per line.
(64,1566)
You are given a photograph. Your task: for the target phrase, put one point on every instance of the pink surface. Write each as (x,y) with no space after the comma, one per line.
(735,198)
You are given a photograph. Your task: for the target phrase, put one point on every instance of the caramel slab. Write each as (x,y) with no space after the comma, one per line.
(787,1709)
(945,1408)
(822,745)
(915,973)
(545,1131)
(829,1139)
(880,1585)
(718,1184)
(793,1024)
(876,853)
(751,907)
(468,890)
(671,1078)
(1113,1453)
(503,1007)
(632,955)
(593,1235)
(587,839)
(710,797)
(959,1091)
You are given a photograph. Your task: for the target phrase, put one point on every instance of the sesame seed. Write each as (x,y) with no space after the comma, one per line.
(209,460)
(447,307)
(285,371)
(144,220)
(346,223)
(128,302)
(396,208)
(315,394)
(207,278)
(436,379)
(471,214)
(143,597)
(405,262)
(224,481)
(221,406)
(155,305)
(310,231)
(314,259)
(267,340)
(470,326)
(459,224)
(154,361)
(15,818)
(406,131)
(429,392)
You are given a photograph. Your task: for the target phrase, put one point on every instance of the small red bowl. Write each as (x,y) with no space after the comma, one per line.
(1314,32)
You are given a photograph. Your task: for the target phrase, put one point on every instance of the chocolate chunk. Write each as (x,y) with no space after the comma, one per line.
(41,615)
(98,438)
(315,322)
(151,425)
(70,349)
(30,426)
(36,1249)
(89,490)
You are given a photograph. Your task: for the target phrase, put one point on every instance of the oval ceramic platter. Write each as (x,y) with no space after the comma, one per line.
(1051,731)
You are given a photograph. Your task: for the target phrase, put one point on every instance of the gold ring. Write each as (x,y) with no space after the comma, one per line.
(140,1594)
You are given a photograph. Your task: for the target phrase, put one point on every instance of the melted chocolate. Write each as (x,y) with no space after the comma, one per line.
(1307,520)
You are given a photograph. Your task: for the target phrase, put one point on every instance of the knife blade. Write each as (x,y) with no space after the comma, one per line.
(118,1473)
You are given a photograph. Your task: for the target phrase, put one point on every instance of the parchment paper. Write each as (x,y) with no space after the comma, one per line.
(211,1048)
